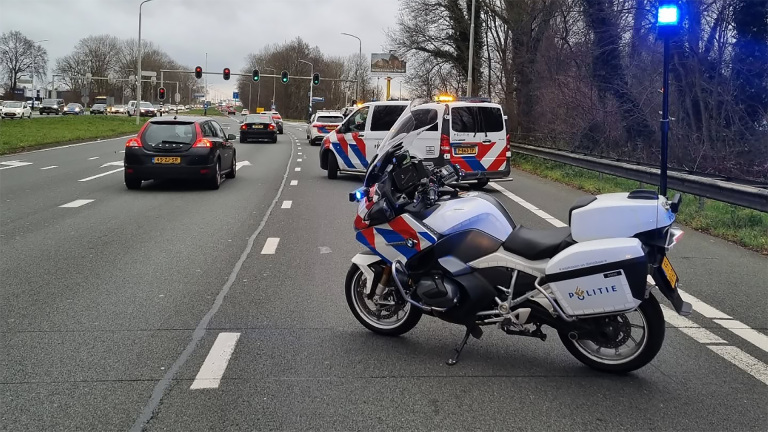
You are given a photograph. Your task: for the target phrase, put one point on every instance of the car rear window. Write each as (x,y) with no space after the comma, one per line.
(385,116)
(476,119)
(330,119)
(258,119)
(178,132)
(13,104)
(49,101)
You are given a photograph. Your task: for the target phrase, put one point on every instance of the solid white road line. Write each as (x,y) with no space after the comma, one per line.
(13,164)
(270,246)
(92,158)
(287,204)
(750,335)
(76,203)
(294,182)
(733,354)
(100,175)
(215,364)
(81,144)
(297,169)
(49,167)
(744,361)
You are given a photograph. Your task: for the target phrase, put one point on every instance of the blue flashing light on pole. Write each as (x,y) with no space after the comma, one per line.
(667,27)
(669,15)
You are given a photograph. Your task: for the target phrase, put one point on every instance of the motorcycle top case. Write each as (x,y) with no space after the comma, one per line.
(599,276)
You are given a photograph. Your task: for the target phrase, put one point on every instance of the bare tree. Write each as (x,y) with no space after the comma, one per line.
(20,55)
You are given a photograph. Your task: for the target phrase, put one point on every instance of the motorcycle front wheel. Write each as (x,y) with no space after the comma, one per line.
(386,315)
(622,343)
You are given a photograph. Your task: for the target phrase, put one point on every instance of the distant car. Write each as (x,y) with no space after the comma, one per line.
(116,109)
(258,127)
(244,112)
(144,110)
(277,118)
(14,109)
(51,106)
(181,147)
(73,109)
(99,109)
(231,110)
(321,124)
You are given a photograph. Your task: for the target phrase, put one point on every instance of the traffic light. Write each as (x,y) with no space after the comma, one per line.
(198,72)
(255,75)
(284,77)
(226,74)
(316,79)
(161,93)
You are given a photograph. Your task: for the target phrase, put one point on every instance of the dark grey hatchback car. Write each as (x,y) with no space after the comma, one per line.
(180,147)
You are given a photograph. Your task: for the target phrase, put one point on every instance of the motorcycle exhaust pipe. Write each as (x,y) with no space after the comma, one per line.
(408,298)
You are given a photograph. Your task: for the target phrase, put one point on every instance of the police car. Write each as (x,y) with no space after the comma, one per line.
(321,124)
(471,134)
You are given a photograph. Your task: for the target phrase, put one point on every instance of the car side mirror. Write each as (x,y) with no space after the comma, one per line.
(231,137)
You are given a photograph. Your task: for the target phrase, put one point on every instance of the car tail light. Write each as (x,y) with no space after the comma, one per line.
(133,142)
(316,125)
(243,126)
(445,146)
(272,127)
(202,143)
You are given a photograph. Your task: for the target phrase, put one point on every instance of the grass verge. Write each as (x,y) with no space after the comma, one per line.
(20,135)
(743,226)
(199,112)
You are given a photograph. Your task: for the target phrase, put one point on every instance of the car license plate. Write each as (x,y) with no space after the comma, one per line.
(669,272)
(166,160)
(461,151)
(257,127)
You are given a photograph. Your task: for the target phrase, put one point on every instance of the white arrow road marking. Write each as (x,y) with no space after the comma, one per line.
(733,354)
(241,164)
(49,167)
(287,204)
(215,364)
(116,163)
(76,203)
(14,164)
(100,175)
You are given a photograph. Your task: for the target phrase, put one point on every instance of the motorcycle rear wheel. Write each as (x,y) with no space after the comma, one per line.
(360,307)
(608,356)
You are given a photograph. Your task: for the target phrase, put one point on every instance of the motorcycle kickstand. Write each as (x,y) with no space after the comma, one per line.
(477,332)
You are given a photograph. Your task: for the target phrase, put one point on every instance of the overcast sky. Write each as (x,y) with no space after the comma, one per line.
(234,28)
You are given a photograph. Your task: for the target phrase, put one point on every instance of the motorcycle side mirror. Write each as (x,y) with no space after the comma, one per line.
(674,205)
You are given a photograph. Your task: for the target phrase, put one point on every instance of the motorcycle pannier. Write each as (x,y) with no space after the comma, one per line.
(599,276)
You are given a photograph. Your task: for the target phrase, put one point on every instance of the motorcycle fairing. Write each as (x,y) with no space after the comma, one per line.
(401,238)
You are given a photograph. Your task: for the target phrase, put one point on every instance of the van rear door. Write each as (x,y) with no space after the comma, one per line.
(383,118)
(478,137)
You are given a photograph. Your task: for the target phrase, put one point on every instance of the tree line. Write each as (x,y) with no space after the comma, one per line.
(585,75)
(99,55)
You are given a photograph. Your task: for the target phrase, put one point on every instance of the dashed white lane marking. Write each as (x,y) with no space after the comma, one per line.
(49,167)
(294,182)
(299,153)
(538,212)
(270,246)
(115,163)
(92,158)
(733,354)
(241,164)
(297,169)
(14,164)
(287,204)
(100,175)
(744,361)
(298,160)
(215,364)
(76,203)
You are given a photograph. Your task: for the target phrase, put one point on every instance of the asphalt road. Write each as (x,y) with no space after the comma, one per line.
(110,310)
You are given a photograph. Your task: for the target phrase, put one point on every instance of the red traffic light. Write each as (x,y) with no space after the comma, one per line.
(161,93)
(226,73)
(198,72)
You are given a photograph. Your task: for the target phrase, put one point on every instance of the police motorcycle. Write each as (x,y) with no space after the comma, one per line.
(460,257)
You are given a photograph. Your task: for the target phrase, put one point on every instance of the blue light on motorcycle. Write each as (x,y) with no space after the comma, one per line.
(359,194)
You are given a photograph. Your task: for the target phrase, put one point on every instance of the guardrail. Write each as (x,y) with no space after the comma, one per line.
(745,194)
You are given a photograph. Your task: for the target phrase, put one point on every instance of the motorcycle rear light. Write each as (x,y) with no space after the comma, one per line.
(202,143)
(133,142)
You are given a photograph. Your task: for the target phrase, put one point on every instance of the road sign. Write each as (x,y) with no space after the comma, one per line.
(235,95)
(132,79)
(88,76)
(199,95)
(84,99)
(177,97)
(111,78)
(149,73)
(318,99)
(273,108)
(153,80)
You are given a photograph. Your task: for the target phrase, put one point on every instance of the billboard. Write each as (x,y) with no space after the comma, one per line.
(387,64)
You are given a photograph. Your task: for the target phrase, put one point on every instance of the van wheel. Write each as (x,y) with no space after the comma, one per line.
(333,166)
(479,184)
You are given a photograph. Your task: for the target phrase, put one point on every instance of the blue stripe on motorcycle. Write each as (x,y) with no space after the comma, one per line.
(391,236)
(355,149)
(344,157)
(361,238)
(428,236)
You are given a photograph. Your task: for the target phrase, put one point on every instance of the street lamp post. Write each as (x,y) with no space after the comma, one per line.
(34,66)
(311,84)
(667,26)
(471,50)
(357,66)
(274,80)
(138,68)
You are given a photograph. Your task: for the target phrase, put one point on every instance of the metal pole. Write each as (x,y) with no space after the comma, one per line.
(250,85)
(665,119)
(258,96)
(357,65)
(471,49)
(311,74)
(205,78)
(138,69)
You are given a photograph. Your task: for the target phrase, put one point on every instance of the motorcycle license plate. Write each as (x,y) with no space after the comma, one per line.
(167,160)
(465,151)
(669,272)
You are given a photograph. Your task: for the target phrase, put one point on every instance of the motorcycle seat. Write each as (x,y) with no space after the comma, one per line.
(534,244)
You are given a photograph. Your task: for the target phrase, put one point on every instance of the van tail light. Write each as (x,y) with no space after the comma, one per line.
(271,127)
(445,146)
(202,143)
(243,127)
(316,125)
(133,142)
(509,147)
